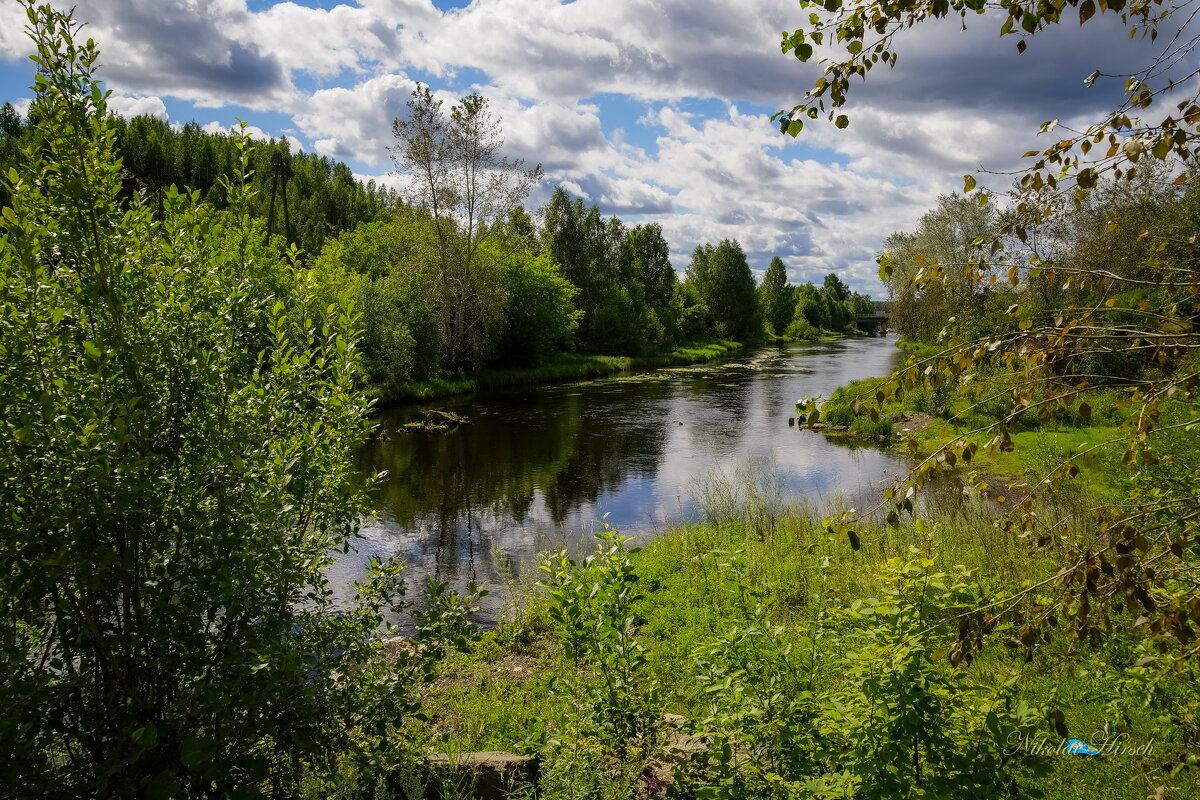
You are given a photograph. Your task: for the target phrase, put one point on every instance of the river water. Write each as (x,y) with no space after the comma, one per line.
(535,467)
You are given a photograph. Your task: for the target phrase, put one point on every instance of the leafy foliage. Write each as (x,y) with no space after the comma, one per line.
(722,283)
(628,298)
(592,604)
(776,298)
(179,420)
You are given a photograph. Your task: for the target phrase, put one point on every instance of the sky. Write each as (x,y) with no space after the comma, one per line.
(654,110)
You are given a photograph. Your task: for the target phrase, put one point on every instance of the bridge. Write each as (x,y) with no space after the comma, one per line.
(872,323)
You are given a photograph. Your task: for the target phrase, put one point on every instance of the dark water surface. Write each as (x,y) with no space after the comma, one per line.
(537,466)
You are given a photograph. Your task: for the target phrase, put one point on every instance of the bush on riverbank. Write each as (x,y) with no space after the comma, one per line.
(178,421)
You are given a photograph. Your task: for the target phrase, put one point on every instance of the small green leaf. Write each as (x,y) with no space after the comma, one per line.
(195,750)
(842,121)
(968,184)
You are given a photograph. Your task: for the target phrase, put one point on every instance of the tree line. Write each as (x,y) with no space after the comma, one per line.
(452,275)
(303,198)
(460,277)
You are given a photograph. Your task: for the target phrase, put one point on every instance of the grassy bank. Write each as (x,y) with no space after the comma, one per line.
(758,599)
(577,366)
(564,367)
(926,419)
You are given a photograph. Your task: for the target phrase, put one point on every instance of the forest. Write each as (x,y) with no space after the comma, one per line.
(196,329)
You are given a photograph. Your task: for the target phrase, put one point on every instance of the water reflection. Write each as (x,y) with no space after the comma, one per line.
(536,466)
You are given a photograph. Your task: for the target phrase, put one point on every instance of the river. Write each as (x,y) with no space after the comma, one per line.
(535,467)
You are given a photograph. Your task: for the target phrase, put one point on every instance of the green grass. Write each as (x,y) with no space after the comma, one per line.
(563,367)
(1038,449)
(698,579)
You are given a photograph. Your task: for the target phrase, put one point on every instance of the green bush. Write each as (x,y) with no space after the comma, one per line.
(591,604)
(801,329)
(925,400)
(178,421)
(904,718)
(869,427)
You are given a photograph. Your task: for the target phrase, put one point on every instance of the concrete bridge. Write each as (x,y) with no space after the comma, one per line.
(872,323)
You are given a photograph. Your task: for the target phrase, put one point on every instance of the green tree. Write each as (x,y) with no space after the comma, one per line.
(650,258)
(11,136)
(457,173)
(776,298)
(577,239)
(177,425)
(541,317)
(627,286)
(811,308)
(649,280)
(836,288)
(861,304)
(835,312)
(944,240)
(386,269)
(721,279)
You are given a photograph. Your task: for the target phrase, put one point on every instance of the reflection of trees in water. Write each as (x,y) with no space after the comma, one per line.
(572,447)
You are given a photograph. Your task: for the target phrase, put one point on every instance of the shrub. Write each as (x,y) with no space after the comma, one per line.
(177,428)
(801,329)
(591,604)
(902,719)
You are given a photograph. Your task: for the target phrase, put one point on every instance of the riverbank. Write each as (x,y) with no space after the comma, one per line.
(577,367)
(925,420)
(564,367)
(757,623)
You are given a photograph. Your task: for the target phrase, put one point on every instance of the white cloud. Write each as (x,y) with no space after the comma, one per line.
(131,106)
(734,177)
(252,131)
(957,101)
(355,123)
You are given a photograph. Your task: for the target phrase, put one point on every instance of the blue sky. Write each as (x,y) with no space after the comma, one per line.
(655,110)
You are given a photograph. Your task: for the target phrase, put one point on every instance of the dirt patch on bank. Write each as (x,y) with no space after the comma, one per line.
(913,422)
